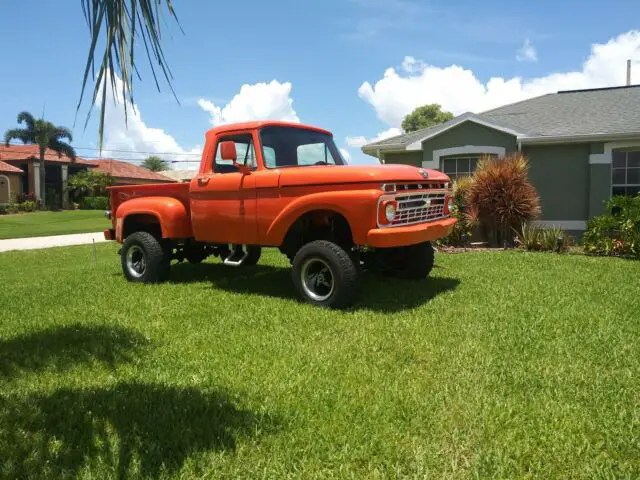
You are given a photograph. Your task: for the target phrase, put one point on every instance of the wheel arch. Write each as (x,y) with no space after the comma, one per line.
(164,216)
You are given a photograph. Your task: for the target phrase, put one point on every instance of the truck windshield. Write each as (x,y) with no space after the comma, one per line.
(297,147)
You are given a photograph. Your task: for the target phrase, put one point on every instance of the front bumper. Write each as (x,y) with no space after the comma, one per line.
(110,234)
(403,236)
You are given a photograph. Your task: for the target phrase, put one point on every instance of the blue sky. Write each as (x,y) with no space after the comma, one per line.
(320,53)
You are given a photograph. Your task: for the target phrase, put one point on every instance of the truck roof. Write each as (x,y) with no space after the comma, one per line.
(260,124)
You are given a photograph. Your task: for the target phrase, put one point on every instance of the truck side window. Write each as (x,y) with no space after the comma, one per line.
(246,154)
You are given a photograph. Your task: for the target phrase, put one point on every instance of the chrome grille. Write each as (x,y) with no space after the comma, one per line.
(419,208)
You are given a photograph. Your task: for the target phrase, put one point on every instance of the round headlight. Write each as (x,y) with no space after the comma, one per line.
(390,212)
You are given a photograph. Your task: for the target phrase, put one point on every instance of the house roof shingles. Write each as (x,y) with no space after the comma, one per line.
(14,153)
(6,168)
(120,169)
(604,111)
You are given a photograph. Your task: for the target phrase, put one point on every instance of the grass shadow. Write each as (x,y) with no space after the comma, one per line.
(61,348)
(132,430)
(378,293)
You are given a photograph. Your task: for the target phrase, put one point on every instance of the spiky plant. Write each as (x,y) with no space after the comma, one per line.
(44,134)
(502,197)
(120,25)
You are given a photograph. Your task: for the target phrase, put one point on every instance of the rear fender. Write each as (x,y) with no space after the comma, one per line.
(358,207)
(171,213)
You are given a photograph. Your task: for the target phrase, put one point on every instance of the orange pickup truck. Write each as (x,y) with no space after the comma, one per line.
(283,185)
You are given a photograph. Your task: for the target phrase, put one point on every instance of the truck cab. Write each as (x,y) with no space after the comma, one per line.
(284,185)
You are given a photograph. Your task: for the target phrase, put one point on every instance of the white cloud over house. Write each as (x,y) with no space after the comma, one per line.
(458,89)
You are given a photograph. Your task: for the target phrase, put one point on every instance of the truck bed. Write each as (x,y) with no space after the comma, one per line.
(119,195)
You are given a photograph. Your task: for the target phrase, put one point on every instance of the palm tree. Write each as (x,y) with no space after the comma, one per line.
(44,134)
(125,22)
(155,164)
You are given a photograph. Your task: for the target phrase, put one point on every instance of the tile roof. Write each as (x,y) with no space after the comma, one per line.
(600,111)
(179,175)
(25,152)
(121,169)
(6,168)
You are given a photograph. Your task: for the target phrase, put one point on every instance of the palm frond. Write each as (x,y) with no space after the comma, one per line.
(28,119)
(121,23)
(62,148)
(62,132)
(22,134)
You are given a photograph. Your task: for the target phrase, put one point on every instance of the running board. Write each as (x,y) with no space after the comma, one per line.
(235,263)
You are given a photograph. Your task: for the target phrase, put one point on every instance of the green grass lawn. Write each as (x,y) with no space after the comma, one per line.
(502,365)
(40,224)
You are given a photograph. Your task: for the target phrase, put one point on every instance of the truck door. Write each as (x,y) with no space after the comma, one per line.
(223,199)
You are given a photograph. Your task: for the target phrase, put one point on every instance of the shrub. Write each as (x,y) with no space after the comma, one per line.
(89,184)
(4,209)
(501,196)
(94,203)
(463,228)
(551,239)
(617,232)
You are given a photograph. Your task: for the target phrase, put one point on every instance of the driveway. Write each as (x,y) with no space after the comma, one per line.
(34,243)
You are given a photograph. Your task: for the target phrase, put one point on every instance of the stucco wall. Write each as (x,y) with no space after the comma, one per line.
(468,133)
(408,158)
(560,173)
(15,185)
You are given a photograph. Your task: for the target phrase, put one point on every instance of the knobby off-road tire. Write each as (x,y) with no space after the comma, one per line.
(325,275)
(144,258)
(414,262)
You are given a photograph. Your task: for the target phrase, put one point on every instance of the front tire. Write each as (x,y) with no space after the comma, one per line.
(144,258)
(325,275)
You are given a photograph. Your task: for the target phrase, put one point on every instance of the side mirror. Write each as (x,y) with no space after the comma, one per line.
(228,152)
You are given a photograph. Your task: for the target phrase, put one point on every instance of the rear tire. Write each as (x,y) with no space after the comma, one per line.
(144,258)
(325,275)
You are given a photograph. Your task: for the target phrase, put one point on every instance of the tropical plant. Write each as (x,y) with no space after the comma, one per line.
(501,196)
(550,239)
(94,203)
(89,184)
(424,117)
(44,134)
(155,164)
(618,231)
(462,230)
(120,25)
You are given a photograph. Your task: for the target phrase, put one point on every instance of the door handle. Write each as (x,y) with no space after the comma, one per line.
(203,181)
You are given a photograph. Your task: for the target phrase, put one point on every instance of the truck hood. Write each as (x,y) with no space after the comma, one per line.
(323,174)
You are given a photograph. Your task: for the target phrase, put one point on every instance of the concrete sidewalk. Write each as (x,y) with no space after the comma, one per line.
(34,243)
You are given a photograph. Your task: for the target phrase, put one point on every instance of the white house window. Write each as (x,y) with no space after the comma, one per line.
(625,172)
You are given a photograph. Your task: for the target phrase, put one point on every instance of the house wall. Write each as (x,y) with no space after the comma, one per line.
(404,158)
(468,133)
(9,190)
(561,175)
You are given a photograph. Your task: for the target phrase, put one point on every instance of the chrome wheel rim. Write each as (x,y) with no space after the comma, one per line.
(136,261)
(317,279)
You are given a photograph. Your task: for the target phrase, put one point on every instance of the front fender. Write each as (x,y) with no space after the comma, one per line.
(358,207)
(174,219)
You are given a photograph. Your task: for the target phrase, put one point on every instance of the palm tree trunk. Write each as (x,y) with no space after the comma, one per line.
(43,193)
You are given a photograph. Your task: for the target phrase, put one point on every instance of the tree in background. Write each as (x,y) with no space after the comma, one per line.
(44,134)
(89,184)
(120,25)
(424,117)
(155,164)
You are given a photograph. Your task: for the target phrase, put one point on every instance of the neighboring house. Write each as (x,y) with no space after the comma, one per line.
(583,147)
(125,173)
(59,168)
(180,175)
(10,182)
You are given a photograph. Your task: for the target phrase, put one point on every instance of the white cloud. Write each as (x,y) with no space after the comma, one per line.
(345,154)
(527,53)
(135,135)
(458,89)
(359,141)
(260,101)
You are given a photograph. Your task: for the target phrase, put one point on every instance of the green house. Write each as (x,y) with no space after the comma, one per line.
(583,147)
